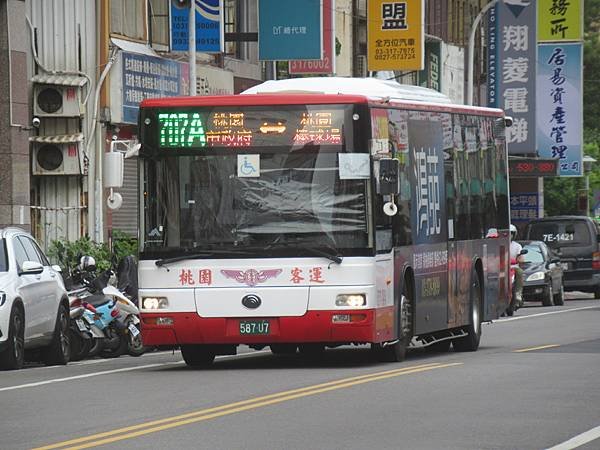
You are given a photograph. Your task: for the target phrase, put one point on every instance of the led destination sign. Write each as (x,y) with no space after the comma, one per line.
(533,167)
(197,129)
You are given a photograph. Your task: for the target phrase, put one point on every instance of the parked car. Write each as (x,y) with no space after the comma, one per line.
(34,308)
(542,274)
(576,241)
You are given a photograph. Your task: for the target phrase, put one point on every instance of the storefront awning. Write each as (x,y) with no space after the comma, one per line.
(59,79)
(133,47)
(58,139)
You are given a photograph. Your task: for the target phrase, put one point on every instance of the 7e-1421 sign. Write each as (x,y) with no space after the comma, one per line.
(532,167)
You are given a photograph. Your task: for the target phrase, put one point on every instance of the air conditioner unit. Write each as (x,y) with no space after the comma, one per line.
(56,158)
(361,66)
(53,100)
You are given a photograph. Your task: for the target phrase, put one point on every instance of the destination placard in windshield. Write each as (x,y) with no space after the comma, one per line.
(245,128)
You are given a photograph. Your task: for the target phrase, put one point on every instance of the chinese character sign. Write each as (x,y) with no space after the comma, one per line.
(395,35)
(428,203)
(289,29)
(524,206)
(325,65)
(560,20)
(513,80)
(560,103)
(209,31)
(145,76)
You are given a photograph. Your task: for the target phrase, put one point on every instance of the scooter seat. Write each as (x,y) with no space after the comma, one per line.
(97,300)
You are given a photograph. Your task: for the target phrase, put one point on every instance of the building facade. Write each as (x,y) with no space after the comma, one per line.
(78,69)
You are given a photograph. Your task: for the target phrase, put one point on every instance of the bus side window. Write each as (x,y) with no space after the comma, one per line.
(461,182)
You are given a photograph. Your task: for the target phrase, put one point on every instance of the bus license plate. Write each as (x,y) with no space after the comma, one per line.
(254,327)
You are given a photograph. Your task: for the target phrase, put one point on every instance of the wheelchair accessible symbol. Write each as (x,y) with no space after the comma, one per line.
(248,166)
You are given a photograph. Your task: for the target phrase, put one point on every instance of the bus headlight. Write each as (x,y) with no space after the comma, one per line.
(351,300)
(155,302)
(536,276)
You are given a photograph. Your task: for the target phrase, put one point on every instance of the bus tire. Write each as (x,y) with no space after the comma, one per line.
(396,352)
(197,356)
(470,342)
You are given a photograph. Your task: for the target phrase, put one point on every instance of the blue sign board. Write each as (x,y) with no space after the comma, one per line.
(524,206)
(560,102)
(492,63)
(147,76)
(208,27)
(289,29)
(511,67)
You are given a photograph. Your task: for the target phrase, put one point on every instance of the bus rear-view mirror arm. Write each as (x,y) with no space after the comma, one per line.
(388,182)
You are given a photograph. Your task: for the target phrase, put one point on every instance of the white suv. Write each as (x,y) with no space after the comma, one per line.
(34,308)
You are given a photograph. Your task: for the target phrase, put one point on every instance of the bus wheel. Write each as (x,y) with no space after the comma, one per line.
(396,351)
(470,342)
(197,356)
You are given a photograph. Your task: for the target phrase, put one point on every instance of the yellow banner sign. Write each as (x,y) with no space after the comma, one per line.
(395,34)
(560,21)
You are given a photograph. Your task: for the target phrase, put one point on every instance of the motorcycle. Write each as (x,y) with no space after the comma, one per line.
(83,334)
(516,295)
(112,317)
(126,325)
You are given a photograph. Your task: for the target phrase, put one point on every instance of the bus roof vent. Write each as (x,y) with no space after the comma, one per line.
(372,88)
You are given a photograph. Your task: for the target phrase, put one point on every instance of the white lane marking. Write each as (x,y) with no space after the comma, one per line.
(579,440)
(509,319)
(126,369)
(87,375)
(96,361)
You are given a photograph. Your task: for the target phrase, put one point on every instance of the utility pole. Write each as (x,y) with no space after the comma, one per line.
(192,46)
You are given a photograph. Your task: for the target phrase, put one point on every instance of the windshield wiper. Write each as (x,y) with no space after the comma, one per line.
(164,261)
(330,253)
(213,252)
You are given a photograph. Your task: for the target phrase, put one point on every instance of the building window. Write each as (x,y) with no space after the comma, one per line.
(158,24)
(233,24)
(127,18)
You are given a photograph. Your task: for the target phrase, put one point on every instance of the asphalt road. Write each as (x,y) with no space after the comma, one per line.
(533,384)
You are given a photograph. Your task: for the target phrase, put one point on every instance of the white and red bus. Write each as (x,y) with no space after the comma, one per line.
(318,212)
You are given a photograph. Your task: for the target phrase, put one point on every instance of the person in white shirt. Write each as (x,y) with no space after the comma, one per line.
(515,250)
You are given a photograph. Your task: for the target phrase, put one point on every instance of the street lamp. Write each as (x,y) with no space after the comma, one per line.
(587,167)
(470,83)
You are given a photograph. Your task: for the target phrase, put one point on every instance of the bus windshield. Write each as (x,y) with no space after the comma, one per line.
(289,187)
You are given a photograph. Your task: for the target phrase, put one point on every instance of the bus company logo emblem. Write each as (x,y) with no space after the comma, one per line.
(251,301)
(251,277)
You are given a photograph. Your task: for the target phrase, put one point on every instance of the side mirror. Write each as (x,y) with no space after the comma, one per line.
(388,179)
(31,268)
(57,268)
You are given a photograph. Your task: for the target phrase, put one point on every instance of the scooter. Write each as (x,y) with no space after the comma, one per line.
(516,295)
(83,334)
(126,325)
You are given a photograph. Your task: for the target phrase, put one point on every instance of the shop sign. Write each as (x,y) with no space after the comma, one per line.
(395,35)
(145,76)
